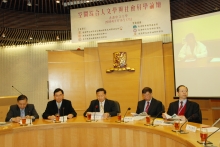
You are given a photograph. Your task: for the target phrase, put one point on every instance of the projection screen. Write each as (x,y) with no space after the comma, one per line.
(196,44)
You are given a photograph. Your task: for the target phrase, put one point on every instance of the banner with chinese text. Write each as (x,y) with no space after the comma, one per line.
(122,20)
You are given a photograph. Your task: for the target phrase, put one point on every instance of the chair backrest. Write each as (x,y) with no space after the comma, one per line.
(118,106)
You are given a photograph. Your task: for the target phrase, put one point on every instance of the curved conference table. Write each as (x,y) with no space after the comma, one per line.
(77,132)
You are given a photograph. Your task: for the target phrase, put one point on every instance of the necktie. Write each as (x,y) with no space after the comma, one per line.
(180,107)
(146,109)
(58,106)
(22,113)
(101,108)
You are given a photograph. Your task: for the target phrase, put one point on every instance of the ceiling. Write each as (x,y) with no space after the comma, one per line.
(25,22)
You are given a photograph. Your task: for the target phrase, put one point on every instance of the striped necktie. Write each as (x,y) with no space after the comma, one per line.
(146,109)
(101,108)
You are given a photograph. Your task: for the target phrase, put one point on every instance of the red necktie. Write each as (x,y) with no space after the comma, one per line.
(148,104)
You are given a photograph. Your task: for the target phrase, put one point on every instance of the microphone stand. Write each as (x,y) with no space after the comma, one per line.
(63,114)
(205,144)
(30,118)
(95,112)
(152,124)
(182,131)
(126,113)
(16,89)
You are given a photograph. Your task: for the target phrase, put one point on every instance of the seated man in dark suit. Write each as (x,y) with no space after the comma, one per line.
(149,104)
(102,104)
(185,108)
(22,109)
(59,106)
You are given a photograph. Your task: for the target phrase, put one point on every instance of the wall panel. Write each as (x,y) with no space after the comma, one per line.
(93,78)
(121,86)
(152,74)
(169,74)
(66,71)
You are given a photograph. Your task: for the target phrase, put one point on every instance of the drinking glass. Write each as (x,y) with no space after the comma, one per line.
(203,134)
(89,116)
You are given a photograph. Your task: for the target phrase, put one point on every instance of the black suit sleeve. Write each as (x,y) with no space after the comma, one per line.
(171,110)
(33,111)
(48,111)
(10,114)
(139,110)
(195,113)
(113,109)
(70,109)
(159,110)
(90,109)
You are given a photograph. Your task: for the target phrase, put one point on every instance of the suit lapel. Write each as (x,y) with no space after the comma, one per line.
(106,105)
(187,106)
(142,105)
(27,110)
(176,106)
(18,111)
(151,106)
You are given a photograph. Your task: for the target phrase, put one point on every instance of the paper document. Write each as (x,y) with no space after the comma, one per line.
(210,129)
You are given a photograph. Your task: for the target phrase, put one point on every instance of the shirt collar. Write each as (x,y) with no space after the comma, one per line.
(184,101)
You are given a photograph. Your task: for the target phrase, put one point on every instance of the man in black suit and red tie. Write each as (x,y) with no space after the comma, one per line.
(59,105)
(102,104)
(185,108)
(149,104)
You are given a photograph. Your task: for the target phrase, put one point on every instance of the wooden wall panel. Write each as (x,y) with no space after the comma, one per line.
(152,74)
(169,74)
(93,78)
(66,71)
(121,86)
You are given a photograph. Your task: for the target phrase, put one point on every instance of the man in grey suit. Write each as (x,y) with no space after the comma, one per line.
(21,109)
(149,105)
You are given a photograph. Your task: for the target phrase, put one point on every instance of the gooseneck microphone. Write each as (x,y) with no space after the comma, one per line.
(16,89)
(63,114)
(156,117)
(126,113)
(182,131)
(95,111)
(30,118)
(209,136)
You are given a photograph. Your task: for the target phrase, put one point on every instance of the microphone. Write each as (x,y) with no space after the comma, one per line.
(182,131)
(30,118)
(63,114)
(210,135)
(152,124)
(16,89)
(126,113)
(95,111)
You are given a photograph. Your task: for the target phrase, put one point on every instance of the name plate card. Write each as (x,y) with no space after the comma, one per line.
(158,121)
(63,118)
(97,116)
(128,119)
(191,128)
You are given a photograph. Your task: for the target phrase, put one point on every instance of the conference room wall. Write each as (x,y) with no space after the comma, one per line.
(66,70)
(93,77)
(122,86)
(152,73)
(169,83)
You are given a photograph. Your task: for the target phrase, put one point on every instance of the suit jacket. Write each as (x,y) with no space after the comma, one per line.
(65,109)
(14,111)
(192,110)
(155,108)
(109,107)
